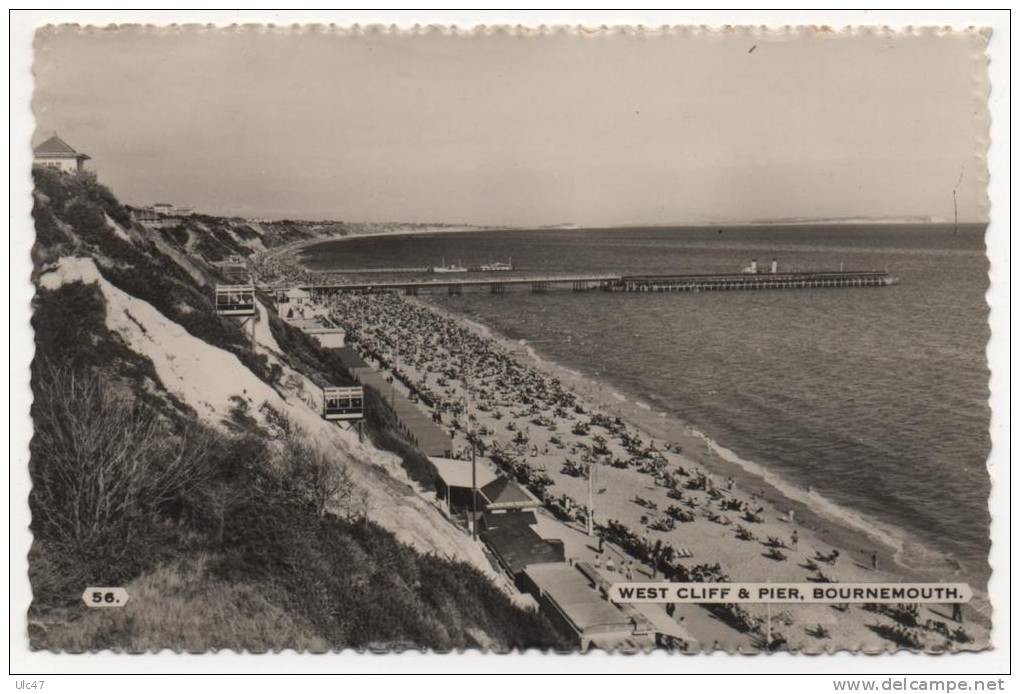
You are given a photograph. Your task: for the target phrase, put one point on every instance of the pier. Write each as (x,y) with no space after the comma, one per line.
(758,281)
(455,285)
(624,283)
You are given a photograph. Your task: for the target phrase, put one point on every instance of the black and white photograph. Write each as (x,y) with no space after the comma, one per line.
(625,339)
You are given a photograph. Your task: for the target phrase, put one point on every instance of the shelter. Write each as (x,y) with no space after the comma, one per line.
(343,403)
(453,482)
(503,494)
(235,299)
(54,153)
(497,495)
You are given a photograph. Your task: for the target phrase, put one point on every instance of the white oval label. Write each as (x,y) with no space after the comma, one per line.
(105,597)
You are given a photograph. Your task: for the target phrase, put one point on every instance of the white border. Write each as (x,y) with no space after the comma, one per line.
(21,122)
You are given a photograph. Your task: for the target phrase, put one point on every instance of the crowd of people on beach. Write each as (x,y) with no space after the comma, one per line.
(460,374)
(440,351)
(518,415)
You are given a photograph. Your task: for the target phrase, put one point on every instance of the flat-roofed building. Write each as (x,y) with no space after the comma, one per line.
(512,539)
(297,296)
(327,336)
(570,601)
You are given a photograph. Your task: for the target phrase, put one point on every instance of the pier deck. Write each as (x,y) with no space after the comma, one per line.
(737,282)
(625,283)
(592,281)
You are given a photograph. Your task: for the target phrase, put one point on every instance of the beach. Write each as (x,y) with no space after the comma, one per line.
(875,400)
(659,480)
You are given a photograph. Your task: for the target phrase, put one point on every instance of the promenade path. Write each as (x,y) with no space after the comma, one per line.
(415,424)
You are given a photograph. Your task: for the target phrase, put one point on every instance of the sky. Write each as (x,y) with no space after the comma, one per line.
(599,130)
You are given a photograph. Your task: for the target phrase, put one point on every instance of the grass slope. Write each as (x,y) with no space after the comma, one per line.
(247,540)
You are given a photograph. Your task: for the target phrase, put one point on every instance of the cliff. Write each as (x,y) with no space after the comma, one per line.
(176,457)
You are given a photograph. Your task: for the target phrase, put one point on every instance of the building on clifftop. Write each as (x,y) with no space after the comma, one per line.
(57,154)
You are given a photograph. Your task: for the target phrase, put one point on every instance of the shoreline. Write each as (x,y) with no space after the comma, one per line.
(833,522)
(857,537)
(293,248)
(296,250)
(407,338)
(654,483)
(306,243)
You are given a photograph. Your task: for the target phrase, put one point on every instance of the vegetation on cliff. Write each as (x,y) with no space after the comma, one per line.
(241,537)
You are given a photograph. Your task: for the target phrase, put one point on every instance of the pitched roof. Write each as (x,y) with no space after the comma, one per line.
(55,147)
(502,492)
(512,519)
(457,473)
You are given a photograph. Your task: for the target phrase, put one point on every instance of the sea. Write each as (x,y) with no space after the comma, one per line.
(874,399)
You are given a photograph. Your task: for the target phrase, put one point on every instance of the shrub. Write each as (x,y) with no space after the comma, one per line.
(128,482)
(99,463)
(313,476)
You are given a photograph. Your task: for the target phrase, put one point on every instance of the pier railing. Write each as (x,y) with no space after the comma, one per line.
(757,281)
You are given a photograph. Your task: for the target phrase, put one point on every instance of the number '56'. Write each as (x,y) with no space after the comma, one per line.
(95,596)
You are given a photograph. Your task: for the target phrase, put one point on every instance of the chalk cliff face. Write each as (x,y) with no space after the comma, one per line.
(129,310)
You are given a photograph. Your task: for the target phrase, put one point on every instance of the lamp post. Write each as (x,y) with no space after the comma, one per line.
(591,499)
(393,378)
(474,487)
(474,461)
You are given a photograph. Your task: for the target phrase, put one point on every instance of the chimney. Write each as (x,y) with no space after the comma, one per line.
(754,266)
(775,266)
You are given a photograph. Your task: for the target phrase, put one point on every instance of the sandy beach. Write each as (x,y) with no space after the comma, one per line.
(660,480)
